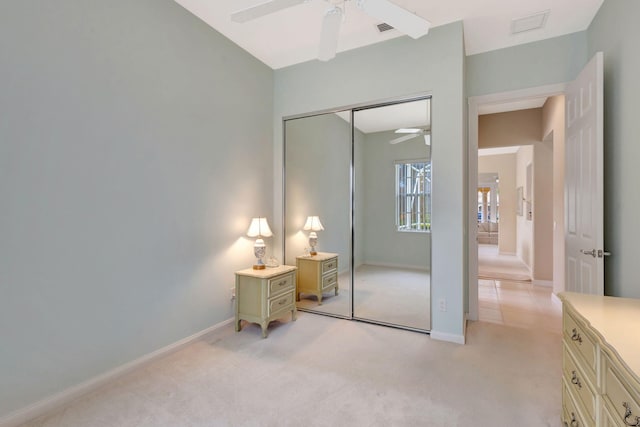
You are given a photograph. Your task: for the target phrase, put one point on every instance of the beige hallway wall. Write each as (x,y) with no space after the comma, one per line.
(553,129)
(509,129)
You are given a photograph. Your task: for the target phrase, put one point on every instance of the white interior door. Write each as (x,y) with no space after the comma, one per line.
(584,254)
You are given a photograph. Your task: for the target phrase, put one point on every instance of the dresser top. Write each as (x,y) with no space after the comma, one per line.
(266,273)
(615,319)
(321,256)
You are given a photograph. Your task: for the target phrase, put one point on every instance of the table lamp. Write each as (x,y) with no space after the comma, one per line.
(259,228)
(313,223)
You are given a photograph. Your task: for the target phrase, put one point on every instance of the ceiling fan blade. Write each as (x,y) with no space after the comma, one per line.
(329,35)
(404,138)
(399,18)
(263,9)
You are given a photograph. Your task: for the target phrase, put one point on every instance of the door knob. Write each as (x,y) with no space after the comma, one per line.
(591,252)
(602,253)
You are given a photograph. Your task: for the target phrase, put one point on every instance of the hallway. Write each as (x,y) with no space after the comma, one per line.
(518,304)
(507,296)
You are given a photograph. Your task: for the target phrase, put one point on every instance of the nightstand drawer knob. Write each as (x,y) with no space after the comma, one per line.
(576,336)
(628,413)
(574,422)
(575,380)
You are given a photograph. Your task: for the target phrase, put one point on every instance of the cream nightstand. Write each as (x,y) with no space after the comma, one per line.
(317,274)
(265,295)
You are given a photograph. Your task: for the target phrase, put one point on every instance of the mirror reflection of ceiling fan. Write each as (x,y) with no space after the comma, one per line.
(384,10)
(412,133)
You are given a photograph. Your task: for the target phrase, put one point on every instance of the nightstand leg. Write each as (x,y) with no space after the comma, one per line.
(238,325)
(294,313)
(336,290)
(264,329)
(320,299)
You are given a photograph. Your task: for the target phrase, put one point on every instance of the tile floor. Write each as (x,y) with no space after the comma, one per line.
(519,304)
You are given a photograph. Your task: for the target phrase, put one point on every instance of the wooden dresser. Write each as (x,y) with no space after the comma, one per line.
(265,295)
(317,274)
(600,361)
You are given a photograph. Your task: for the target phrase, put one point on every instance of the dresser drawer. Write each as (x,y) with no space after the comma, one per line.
(280,284)
(282,302)
(329,265)
(571,416)
(330,280)
(579,384)
(580,342)
(619,394)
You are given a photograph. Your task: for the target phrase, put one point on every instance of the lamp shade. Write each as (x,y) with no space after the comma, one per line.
(313,223)
(259,228)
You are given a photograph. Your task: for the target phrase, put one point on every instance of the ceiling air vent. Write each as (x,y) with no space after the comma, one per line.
(384,27)
(528,23)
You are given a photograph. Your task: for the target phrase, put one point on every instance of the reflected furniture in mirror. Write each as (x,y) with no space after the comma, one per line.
(317,274)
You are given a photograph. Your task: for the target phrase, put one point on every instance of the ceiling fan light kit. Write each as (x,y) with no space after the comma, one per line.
(384,10)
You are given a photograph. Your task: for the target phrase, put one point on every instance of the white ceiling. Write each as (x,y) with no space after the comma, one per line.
(414,114)
(291,36)
(504,107)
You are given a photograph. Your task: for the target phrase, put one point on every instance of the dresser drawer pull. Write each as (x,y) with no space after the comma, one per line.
(575,380)
(330,266)
(282,301)
(282,283)
(574,422)
(576,336)
(628,414)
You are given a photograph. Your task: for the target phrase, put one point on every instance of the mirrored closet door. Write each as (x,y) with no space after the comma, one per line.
(392,214)
(357,205)
(317,225)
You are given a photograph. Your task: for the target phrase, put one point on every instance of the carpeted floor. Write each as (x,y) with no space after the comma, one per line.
(493,265)
(322,371)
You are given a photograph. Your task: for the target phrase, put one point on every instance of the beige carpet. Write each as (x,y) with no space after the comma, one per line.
(321,371)
(492,265)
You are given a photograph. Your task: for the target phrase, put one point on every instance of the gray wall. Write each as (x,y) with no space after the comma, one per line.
(432,64)
(133,141)
(381,242)
(615,31)
(555,60)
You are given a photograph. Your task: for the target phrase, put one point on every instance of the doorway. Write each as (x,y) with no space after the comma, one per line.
(514,101)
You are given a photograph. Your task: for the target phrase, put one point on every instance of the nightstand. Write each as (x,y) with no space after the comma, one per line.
(265,295)
(317,274)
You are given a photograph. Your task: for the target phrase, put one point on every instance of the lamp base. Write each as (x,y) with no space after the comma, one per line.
(312,253)
(259,266)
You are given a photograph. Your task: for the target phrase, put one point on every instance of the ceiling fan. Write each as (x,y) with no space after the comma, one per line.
(412,133)
(384,10)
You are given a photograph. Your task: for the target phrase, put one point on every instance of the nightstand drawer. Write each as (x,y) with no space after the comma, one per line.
(283,302)
(621,396)
(571,415)
(579,385)
(330,280)
(329,265)
(280,284)
(580,342)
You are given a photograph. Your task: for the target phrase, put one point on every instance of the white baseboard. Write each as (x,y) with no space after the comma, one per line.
(57,400)
(555,299)
(402,266)
(543,283)
(445,336)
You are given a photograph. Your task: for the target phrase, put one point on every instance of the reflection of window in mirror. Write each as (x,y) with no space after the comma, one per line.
(413,195)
